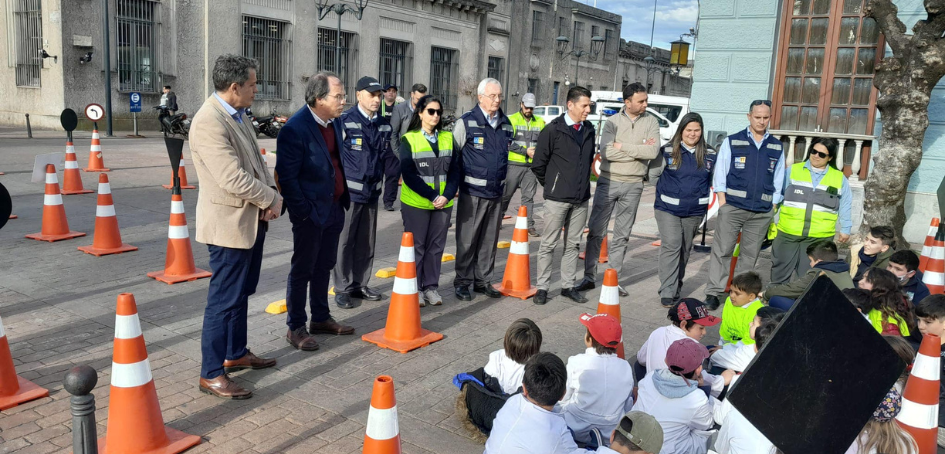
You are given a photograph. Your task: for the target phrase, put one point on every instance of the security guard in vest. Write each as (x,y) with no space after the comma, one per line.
(748,179)
(390,100)
(816,198)
(366,138)
(483,135)
(521,152)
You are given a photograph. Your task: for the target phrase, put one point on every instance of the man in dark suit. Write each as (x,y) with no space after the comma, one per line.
(399,121)
(313,185)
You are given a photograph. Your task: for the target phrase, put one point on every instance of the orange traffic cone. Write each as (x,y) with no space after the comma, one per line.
(107,238)
(135,424)
(96,161)
(382,435)
(731,267)
(14,390)
(517,280)
(919,414)
(927,247)
(403,332)
(610,302)
(262,151)
(71,178)
(604,256)
(182,174)
(934,275)
(55,224)
(179,265)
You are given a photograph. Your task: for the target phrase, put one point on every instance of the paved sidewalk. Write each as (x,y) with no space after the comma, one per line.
(58,309)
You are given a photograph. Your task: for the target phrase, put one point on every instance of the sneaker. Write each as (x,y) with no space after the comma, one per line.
(431,297)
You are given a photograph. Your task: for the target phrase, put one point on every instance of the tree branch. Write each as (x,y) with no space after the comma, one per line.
(886,15)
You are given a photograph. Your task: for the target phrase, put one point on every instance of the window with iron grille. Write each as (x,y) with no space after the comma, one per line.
(327,55)
(533,87)
(538,27)
(443,74)
(578,40)
(496,68)
(136,46)
(396,58)
(28,19)
(266,41)
(610,44)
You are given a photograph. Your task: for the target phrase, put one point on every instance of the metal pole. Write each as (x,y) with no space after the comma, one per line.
(134,117)
(108,69)
(29,130)
(653,27)
(339,9)
(79,382)
(577,67)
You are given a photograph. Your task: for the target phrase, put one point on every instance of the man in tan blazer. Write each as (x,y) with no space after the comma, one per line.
(237,199)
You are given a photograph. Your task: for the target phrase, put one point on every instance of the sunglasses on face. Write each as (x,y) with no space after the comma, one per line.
(437,112)
(820,154)
(759,102)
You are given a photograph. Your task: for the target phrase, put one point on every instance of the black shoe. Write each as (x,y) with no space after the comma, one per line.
(343,300)
(533,232)
(712,302)
(540,298)
(573,295)
(389,207)
(585,285)
(366,293)
(462,293)
(622,292)
(667,302)
(488,290)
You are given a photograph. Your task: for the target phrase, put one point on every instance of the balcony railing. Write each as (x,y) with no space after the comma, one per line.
(855,164)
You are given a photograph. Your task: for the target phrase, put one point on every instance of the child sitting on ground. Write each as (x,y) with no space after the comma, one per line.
(888,310)
(600,384)
(637,433)
(824,258)
(737,356)
(507,365)
(879,245)
(905,265)
(931,315)
(740,308)
(882,434)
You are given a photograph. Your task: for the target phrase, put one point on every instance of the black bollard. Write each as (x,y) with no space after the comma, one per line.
(79,382)
(29,130)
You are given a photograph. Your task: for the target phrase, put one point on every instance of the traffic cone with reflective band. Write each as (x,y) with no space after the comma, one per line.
(382,435)
(731,267)
(403,332)
(107,238)
(182,174)
(179,265)
(934,275)
(919,414)
(96,160)
(55,224)
(604,255)
(927,247)
(610,301)
(71,177)
(262,151)
(14,390)
(135,424)
(517,280)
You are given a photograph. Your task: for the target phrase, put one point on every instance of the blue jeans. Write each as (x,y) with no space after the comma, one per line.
(315,250)
(781,302)
(235,275)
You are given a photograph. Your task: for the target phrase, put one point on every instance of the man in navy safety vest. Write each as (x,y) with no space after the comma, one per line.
(748,179)
(366,137)
(521,152)
(483,134)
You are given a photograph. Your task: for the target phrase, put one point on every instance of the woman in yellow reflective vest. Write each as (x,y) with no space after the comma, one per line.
(817,198)
(431,174)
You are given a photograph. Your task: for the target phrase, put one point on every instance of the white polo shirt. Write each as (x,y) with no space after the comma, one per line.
(600,392)
(522,427)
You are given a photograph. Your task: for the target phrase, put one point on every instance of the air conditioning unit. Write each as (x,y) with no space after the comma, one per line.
(714,139)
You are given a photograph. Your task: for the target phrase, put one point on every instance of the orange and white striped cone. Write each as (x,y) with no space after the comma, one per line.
(604,256)
(55,224)
(179,265)
(135,424)
(107,238)
(517,280)
(96,160)
(71,177)
(14,390)
(403,332)
(919,414)
(733,264)
(610,301)
(182,174)
(927,247)
(262,151)
(382,435)
(934,275)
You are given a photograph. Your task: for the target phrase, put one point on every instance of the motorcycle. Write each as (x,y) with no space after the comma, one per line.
(268,125)
(173,124)
(448,122)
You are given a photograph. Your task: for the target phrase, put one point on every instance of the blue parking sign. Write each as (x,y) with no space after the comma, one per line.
(135,99)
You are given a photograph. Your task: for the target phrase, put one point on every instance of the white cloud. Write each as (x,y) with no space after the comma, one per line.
(673,18)
(687,14)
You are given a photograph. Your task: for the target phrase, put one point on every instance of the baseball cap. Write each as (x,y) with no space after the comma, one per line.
(645,431)
(368,83)
(529,100)
(604,328)
(389,86)
(685,356)
(695,310)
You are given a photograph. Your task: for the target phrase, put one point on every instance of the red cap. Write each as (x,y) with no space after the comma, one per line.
(685,355)
(695,310)
(604,328)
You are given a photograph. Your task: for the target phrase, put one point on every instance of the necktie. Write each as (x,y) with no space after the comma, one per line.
(577,126)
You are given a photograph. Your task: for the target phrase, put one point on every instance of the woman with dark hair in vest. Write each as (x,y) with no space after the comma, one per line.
(431,176)
(682,200)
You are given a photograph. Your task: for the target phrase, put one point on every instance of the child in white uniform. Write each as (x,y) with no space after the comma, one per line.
(737,356)
(637,433)
(507,365)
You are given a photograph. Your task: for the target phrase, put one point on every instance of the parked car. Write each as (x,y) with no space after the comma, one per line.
(548,113)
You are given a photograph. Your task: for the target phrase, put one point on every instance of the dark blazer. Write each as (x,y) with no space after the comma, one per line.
(563,160)
(306,176)
(399,121)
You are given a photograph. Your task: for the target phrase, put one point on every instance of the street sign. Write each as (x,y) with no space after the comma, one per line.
(135,99)
(94,112)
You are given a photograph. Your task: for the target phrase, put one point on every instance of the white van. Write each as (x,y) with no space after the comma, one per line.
(548,113)
(671,109)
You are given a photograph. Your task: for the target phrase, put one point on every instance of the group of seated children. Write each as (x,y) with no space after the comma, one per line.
(824,259)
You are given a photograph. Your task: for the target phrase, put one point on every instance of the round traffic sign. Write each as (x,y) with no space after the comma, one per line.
(135,98)
(94,112)
(68,119)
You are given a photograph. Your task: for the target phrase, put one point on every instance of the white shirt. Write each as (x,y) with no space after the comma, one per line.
(653,354)
(733,356)
(509,373)
(686,421)
(738,435)
(522,427)
(492,119)
(322,123)
(600,392)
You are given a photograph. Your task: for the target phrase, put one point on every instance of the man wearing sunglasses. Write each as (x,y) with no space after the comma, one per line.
(748,178)
(521,152)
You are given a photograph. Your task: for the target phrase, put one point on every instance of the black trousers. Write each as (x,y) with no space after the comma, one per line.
(429,228)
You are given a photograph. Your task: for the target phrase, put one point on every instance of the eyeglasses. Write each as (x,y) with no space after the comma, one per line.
(340,97)
(820,154)
(438,112)
(493,97)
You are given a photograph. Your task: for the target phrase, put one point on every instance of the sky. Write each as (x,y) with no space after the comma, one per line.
(673,18)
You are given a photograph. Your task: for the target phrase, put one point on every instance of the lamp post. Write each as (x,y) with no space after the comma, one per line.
(324,7)
(566,50)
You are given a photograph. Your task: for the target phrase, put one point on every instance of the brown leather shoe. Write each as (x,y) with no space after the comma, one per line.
(249,361)
(224,387)
(329,326)
(301,340)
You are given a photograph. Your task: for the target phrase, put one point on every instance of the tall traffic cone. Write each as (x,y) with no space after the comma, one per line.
(919,414)
(934,275)
(14,390)
(135,424)
(604,255)
(731,267)
(382,435)
(610,301)
(927,247)
(403,332)
(179,265)
(71,177)
(182,174)
(55,224)
(96,160)
(517,280)
(107,238)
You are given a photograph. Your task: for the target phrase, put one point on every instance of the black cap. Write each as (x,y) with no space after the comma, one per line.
(389,86)
(368,83)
